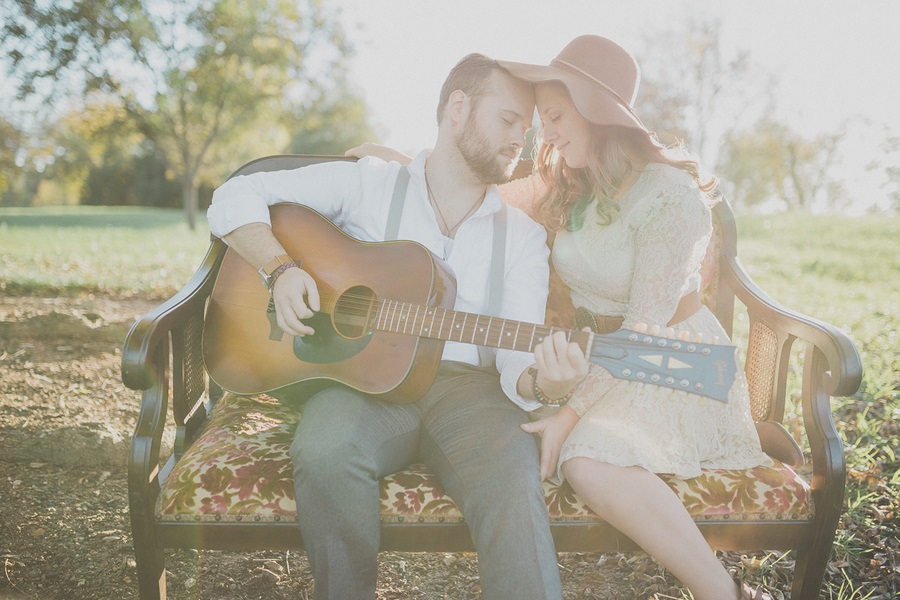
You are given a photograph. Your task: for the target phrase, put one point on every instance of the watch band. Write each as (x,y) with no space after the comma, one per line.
(265,272)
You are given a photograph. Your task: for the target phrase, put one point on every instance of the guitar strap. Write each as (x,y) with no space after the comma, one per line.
(498,272)
(397,201)
(498,254)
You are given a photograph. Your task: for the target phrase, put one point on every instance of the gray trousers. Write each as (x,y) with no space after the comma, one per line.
(467,431)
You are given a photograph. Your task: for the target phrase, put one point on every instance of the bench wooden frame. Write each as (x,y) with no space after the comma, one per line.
(162,358)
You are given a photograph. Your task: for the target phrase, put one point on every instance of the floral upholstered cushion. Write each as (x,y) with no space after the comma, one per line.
(239,469)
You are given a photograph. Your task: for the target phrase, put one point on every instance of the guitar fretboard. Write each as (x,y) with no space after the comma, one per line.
(451,325)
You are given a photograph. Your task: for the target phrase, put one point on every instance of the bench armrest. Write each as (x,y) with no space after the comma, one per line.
(831,367)
(163,351)
(154,327)
(843,375)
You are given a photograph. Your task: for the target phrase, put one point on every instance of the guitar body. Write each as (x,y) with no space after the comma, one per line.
(241,357)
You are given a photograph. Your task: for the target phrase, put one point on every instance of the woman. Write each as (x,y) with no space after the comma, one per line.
(631,222)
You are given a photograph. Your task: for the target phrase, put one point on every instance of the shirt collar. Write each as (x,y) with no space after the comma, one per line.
(492,199)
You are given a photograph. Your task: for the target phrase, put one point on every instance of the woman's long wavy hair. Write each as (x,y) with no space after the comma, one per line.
(571,190)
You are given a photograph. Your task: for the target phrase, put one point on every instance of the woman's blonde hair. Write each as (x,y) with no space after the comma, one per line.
(571,190)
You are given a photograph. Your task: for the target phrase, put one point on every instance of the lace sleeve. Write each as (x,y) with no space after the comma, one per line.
(523,193)
(670,241)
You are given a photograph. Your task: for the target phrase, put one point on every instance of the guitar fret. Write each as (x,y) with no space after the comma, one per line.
(382,317)
(515,343)
(440,334)
(388,315)
(416,318)
(475,328)
(394,318)
(531,340)
(406,324)
(453,325)
(487,330)
(430,329)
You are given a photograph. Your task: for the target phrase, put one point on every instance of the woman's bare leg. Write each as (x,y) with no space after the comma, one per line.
(641,505)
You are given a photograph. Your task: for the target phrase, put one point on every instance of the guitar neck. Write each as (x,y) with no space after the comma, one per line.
(455,326)
(706,369)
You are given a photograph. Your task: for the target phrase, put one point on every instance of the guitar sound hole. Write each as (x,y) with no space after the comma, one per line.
(354,312)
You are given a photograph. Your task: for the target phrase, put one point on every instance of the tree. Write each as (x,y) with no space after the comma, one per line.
(771,161)
(328,122)
(199,74)
(887,162)
(693,91)
(10,142)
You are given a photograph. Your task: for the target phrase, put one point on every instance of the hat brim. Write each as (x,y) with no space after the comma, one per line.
(590,99)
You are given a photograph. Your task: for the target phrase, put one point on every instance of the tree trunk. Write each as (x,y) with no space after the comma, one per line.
(189,200)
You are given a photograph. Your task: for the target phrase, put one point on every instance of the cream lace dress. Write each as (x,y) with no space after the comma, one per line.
(639,266)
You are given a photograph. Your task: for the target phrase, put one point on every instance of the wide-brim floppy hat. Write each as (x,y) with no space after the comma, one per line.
(602,78)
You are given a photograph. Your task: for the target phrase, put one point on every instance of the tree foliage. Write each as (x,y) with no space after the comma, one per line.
(10,142)
(328,122)
(772,161)
(693,91)
(195,77)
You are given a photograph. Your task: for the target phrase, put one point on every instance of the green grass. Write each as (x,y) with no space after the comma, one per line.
(845,271)
(118,250)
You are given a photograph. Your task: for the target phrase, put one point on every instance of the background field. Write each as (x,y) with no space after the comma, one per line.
(843,270)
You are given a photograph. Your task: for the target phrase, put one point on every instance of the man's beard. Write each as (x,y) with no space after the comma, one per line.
(481,159)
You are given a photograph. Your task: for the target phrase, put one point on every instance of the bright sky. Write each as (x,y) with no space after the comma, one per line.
(834,60)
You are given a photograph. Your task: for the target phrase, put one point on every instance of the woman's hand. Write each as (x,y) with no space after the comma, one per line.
(378,151)
(553,431)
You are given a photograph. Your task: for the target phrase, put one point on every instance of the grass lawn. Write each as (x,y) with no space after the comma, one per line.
(119,250)
(842,270)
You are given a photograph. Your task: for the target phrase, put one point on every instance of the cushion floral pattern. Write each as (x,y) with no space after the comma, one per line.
(239,469)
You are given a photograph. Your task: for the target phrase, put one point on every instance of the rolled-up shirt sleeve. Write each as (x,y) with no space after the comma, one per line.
(330,188)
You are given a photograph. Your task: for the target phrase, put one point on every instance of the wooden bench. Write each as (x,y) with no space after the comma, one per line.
(227,483)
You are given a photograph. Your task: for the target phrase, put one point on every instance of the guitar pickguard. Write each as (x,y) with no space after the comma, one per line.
(327,346)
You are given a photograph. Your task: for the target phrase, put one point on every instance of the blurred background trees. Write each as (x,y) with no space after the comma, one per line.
(155,103)
(154,100)
(724,109)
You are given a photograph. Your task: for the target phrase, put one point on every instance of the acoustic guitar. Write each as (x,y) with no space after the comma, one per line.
(386,311)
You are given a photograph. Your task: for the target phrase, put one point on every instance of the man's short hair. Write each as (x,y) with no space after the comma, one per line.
(471,75)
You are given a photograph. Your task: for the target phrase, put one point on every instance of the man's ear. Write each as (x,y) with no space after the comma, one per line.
(458,106)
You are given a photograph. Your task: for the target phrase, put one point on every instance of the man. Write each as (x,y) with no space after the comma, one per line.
(466,428)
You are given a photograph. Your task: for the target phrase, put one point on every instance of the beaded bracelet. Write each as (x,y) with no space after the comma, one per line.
(281,269)
(541,397)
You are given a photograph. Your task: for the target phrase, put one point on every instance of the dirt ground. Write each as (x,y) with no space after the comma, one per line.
(65,421)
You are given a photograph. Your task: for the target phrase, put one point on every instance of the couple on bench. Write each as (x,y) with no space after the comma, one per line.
(628,221)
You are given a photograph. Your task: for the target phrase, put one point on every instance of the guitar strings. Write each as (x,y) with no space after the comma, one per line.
(362,310)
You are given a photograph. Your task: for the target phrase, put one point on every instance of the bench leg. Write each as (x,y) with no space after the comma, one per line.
(809,571)
(149,558)
(151,573)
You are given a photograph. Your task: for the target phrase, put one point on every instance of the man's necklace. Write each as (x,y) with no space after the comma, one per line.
(450,231)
